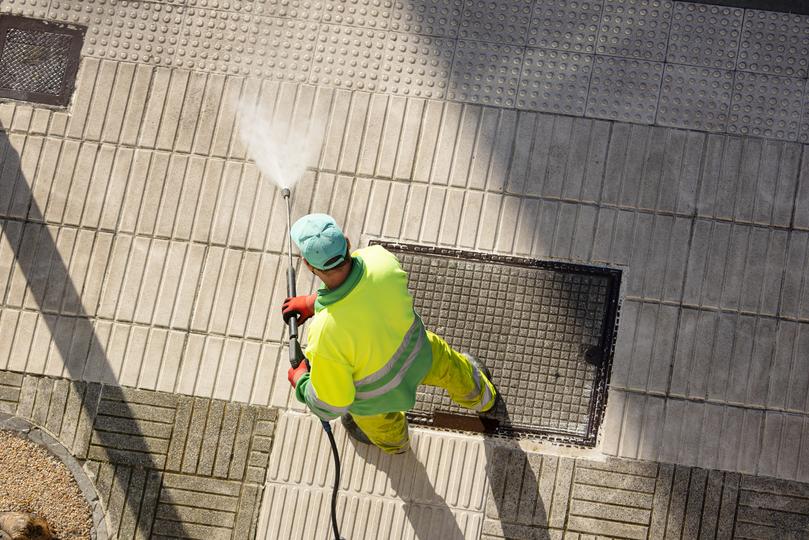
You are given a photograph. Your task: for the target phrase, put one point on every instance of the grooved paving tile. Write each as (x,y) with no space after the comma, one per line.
(496,21)
(554,81)
(486,73)
(774,43)
(348,57)
(366,13)
(416,66)
(695,98)
(766,106)
(145,32)
(705,35)
(569,26)
(624,89)
(427,17)
(635,28)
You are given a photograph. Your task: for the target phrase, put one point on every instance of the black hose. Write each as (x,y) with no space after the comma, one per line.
(335,530)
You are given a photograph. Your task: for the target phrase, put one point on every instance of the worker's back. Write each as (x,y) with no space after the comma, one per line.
(367,346)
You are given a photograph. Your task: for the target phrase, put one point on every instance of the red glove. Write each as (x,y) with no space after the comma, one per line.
(302,306)
(293,374)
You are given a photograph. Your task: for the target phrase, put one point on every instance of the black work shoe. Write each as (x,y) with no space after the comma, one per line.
(354,430)
(480,366)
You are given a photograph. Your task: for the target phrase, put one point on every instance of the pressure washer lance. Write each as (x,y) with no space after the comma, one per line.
(296,356)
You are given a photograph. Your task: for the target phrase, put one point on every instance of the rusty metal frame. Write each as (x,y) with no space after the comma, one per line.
(76,33)
(598,401)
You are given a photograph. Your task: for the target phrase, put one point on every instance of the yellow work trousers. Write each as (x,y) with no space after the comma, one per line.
(466,386)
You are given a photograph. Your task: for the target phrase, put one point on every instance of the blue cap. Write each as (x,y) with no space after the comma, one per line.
(320,240)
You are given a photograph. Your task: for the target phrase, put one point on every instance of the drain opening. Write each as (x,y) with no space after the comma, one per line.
(546,330)
(38,60)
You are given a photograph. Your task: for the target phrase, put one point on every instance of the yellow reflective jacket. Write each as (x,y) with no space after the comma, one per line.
(367,346)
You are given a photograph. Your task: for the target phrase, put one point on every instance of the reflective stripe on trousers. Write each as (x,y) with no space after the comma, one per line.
(450,370)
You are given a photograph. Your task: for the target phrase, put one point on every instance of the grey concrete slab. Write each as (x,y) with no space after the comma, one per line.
(753,110)
(775,43)
(560,25)
(705,35)
(486,73)
(695,98)
(635,29)
(624,89)
(554,81)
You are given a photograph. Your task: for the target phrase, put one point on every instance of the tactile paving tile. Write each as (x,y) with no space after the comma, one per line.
(27,8)
(366,13)
(561,24)
(766,106)
(635,28)
(145,32)
(417,65)
(554,81)
(486,73)
(774,43)
(295,9)
(804,134)
(496,21)
(285,48)
(96,15)
(695,98)
(427,17)
(530,324)
(215,40)
(624,89)
(705,35)
(239,6)
(348,57)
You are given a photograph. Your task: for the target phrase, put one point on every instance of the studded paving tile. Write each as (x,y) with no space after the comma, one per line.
(766,106)
(775,43)
(569,26)
(365,13)
(295,9)
(96,15)
(635,28)
(554,81)
(241,6)
(214,40)
(804,135)
(496,21)
(27,8)
(284,48)
(695,98)
(416,65)
(348,57)
(705,35)
(427,17)
(624,89)
(145,32)
(486,73)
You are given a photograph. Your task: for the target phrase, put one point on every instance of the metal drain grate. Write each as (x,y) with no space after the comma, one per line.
(38,60)
(545,330)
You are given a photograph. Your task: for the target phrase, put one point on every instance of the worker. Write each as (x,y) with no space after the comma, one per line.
(367,347)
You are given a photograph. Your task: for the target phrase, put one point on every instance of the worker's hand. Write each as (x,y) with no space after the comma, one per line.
(302,306)
(293,374)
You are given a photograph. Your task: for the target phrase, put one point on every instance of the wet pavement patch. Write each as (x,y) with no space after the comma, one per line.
(545,329)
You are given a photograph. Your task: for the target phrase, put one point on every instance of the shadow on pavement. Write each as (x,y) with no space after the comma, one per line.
(49,281)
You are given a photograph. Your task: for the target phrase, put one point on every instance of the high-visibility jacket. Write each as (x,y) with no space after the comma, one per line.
(367,346)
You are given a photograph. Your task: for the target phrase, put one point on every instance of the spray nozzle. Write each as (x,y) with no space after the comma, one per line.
(285,193)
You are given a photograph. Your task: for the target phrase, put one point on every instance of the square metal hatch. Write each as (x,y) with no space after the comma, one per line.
(38,60)
(544,329)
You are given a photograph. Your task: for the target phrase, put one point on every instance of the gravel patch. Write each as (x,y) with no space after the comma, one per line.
(32,480)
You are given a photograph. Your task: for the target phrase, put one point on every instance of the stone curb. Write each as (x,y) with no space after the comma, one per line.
(41,437)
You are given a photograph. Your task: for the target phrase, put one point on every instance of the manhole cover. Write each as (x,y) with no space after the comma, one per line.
(38,60)
(545,330)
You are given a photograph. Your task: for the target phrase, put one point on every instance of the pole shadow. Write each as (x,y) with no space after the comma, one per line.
(49,281)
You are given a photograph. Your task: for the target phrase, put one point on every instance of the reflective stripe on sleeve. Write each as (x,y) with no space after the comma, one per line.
(322,409)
